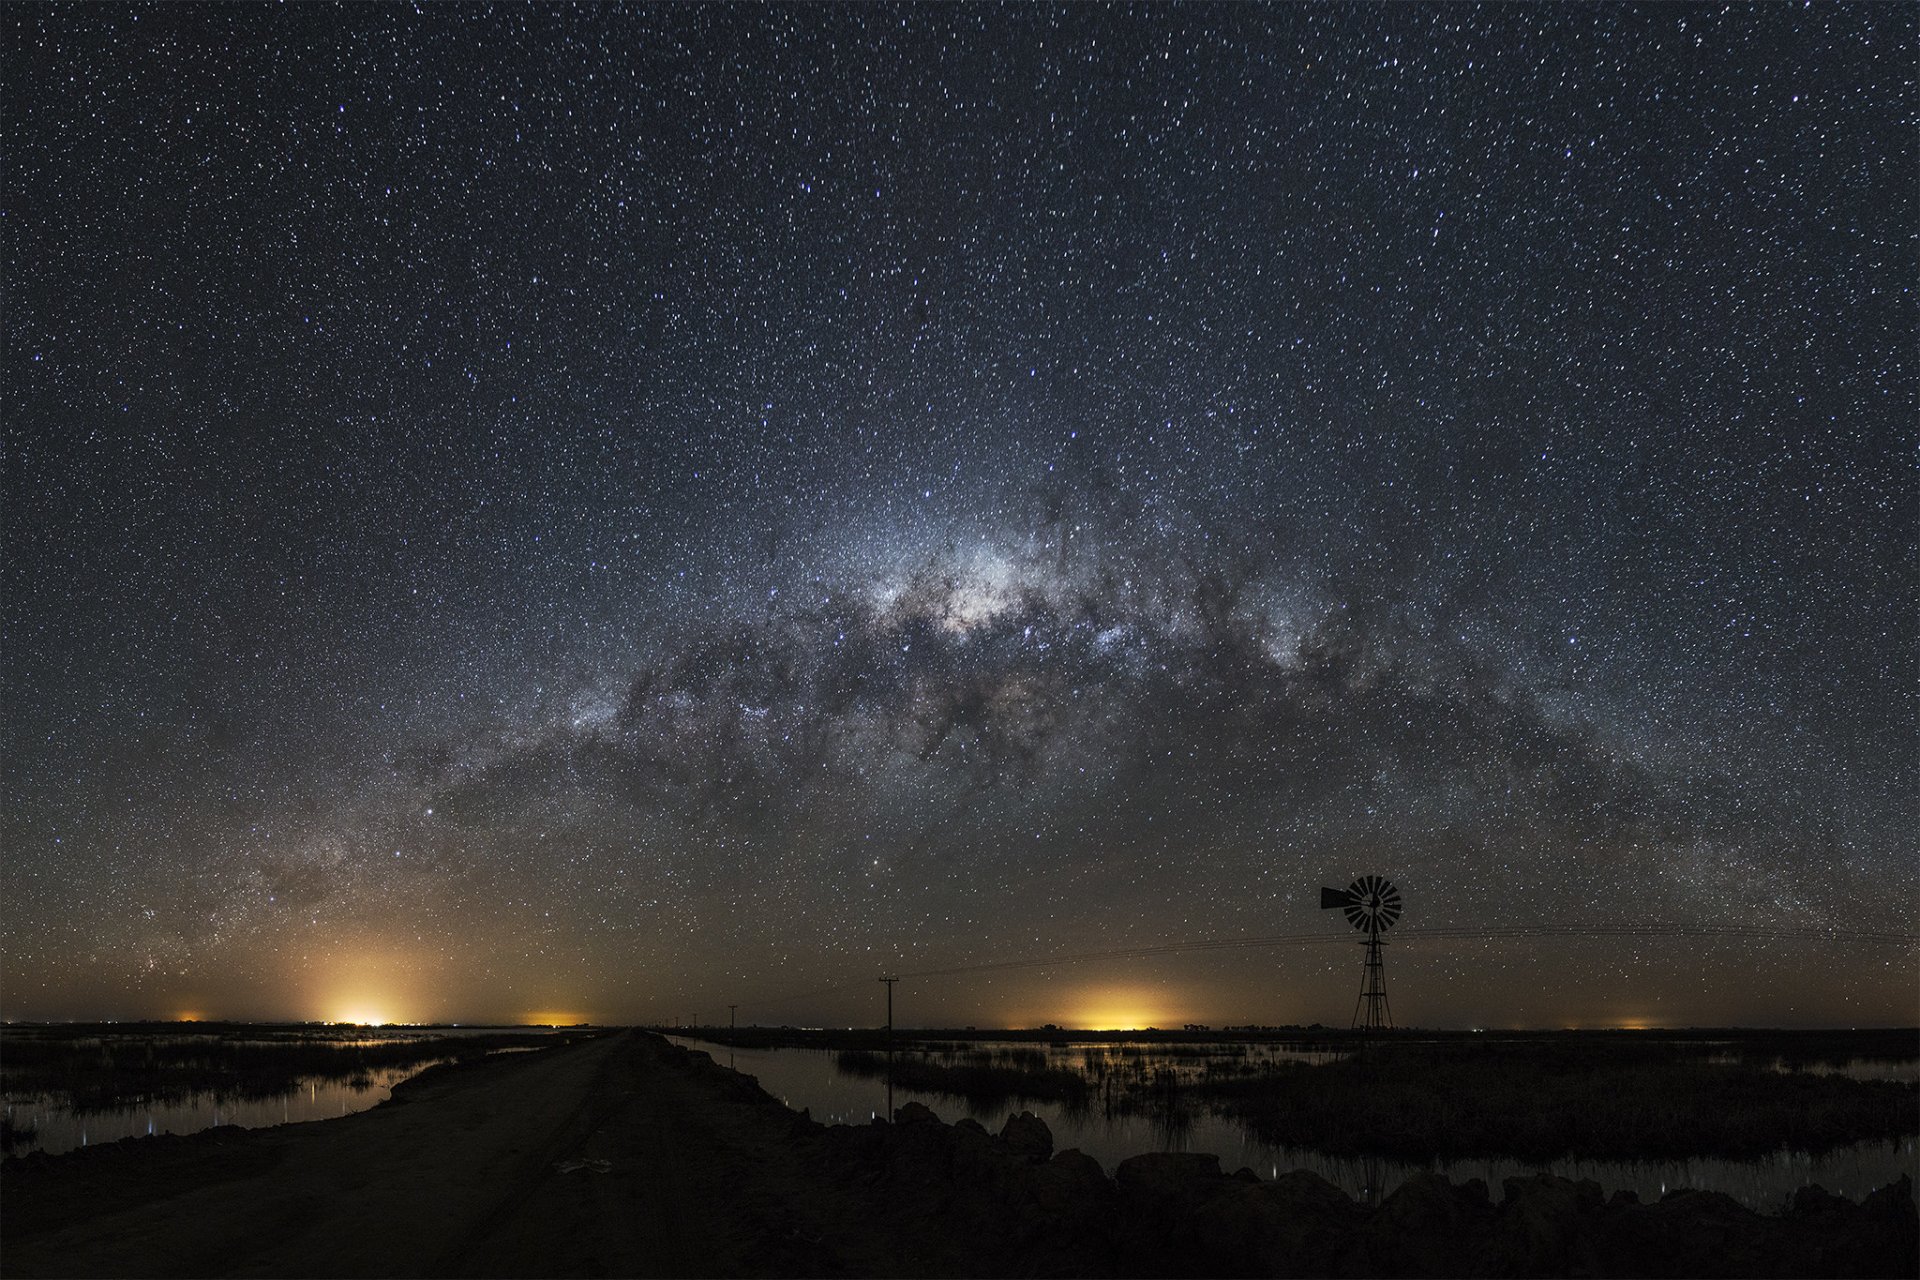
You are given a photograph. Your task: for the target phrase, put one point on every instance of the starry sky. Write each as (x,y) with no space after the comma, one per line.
(525,511)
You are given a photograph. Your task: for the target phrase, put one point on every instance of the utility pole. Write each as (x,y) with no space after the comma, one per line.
(730,1010)
(889,981)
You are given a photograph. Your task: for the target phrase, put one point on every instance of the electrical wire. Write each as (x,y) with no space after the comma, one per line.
(1753,933)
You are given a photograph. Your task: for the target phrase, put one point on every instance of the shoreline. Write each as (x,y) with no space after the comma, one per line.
(628,1155)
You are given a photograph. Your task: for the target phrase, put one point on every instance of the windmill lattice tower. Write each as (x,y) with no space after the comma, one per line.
(1371,904)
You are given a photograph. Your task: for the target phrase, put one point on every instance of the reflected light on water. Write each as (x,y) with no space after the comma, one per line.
(57,1127)
(810,1078)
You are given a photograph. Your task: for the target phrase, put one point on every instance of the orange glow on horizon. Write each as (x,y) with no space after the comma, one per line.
(1116,1022)
(549,1018)
(362,1016)
(376,987)
(1119,1009)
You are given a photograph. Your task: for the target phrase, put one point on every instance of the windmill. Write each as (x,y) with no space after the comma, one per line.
(1372,905)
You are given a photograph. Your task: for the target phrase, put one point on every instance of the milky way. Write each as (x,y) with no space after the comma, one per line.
(609,512)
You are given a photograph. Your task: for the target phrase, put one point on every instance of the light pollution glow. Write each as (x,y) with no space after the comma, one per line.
(1103,1008)
(1114,1008)
(1114,574)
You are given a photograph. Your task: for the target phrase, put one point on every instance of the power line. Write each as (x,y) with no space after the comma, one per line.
(1435,934)
(1751,933)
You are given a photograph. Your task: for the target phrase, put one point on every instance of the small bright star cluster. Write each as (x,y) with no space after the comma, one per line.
(633,510)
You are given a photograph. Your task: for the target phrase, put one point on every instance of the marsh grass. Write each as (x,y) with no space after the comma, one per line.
(89,1070)
(1551,1100)
(977,1076)
(1544,1099)
(13,1134)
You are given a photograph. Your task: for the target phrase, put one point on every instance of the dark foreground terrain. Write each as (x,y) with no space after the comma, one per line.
(1536,1097)
(629,1156)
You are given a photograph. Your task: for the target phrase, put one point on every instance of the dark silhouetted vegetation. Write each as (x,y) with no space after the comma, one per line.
(1762,1047)
(1621,1096)
(103,1068)
(979,1077)
(1542,1101)
(16,1135)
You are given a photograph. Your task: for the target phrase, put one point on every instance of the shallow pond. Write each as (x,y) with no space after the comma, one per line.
(57,1128)
(43,1121)
(808,1079)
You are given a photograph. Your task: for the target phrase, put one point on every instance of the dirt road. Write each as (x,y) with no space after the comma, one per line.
(486,1169)
(629,1156)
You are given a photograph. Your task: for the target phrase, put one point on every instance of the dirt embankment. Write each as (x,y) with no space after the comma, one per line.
(630,1156)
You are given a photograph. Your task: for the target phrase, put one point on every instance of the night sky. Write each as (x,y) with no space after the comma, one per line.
(533,513)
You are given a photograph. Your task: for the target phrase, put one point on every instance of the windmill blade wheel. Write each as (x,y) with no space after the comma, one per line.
(1373,903)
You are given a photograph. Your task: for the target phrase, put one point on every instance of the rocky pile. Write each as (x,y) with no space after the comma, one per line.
(1007,1204)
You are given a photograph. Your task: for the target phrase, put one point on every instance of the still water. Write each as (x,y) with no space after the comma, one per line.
(45,1121)
(808,1079)
(57,1128)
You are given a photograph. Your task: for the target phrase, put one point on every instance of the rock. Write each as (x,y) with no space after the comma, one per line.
(1185,1217)
(1069,1188)
(1429,1227)
(921,1150)
(1893,1202)
(915,1113)
(1057,1215)
(1539,1226)
(1235,1231)
(1167,1182)
(1816,1202)
(1080,1165)
(1311,1226)
(1028,1135)
(1702,1233)
(975,1203)
(1158,1197)
(1304,1191)
(981,1160)
(1890,1235)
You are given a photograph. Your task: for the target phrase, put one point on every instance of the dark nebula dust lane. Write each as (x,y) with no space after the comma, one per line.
(518,512)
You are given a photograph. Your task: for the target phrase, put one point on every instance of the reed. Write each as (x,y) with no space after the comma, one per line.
(972,1079)
(1551,1100)
(92,1070)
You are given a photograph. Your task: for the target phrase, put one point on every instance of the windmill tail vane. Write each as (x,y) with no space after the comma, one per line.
(1371,905)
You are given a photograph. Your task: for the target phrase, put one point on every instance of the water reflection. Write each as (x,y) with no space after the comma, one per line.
(55,1127)
(1907,1072)
(38,1120)
(807,1079)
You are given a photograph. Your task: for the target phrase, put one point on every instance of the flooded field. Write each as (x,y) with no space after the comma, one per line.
(71,1087)
(46,1123)
(814,1080)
